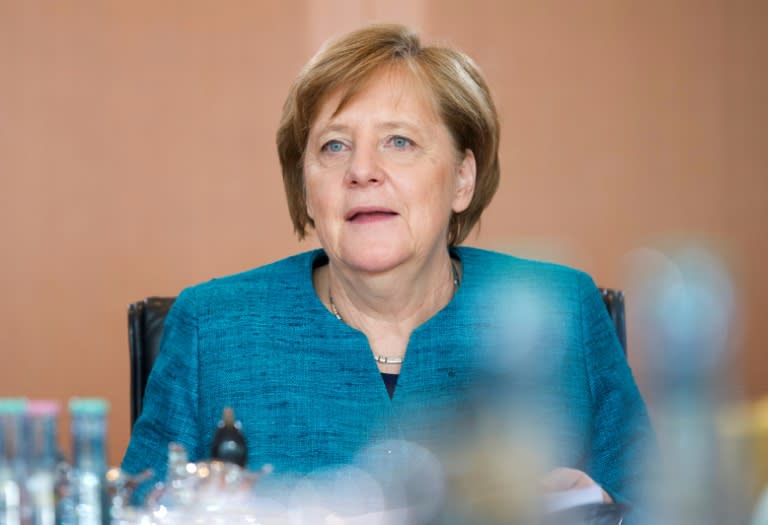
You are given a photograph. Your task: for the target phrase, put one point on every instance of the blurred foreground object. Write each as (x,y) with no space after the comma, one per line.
(685,306)
(744,426)
(591,514)
(11,460)
(42,458)
(89,431)
(228,442)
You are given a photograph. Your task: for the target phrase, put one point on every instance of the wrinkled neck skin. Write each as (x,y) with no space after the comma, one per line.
(388,306)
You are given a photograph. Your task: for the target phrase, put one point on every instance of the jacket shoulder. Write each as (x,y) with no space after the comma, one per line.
(498,267)
(283,278)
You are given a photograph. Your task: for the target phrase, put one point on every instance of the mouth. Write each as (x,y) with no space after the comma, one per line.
(369,214)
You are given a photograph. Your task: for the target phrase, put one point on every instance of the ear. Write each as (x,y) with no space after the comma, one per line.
(307,205)
(310,213)
(465,182)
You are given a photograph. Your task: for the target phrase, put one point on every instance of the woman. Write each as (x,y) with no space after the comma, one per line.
(389,153)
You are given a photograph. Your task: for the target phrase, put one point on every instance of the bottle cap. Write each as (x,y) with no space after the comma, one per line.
(84,406)
(43,407)
(228,442)
(12,405)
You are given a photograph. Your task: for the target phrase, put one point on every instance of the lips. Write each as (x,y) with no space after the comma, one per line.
(368,214)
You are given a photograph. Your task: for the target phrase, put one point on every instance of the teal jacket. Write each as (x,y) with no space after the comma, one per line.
(309,395)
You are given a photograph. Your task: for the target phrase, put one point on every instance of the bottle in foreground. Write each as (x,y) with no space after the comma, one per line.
(42,457)
(11,460)
(88,427)
(228,442)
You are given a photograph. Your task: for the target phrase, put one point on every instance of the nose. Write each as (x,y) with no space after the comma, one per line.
(364,168)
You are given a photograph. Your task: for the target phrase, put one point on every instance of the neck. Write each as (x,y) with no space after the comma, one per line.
(394,302)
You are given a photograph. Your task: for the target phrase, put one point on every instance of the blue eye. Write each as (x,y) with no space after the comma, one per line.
(333,146)
(401,142)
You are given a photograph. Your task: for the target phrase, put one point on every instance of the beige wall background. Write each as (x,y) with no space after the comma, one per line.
(137,154)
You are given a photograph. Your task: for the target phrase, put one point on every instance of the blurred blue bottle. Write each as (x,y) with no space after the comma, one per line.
(686,305)
(42,457)
(89,465)
(11,460)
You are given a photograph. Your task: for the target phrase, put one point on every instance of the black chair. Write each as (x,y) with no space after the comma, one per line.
(614,303)
(145,330)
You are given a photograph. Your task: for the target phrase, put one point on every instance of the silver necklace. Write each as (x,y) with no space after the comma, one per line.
(383,359)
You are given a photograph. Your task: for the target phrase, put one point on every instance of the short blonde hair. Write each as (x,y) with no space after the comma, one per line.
(461,97)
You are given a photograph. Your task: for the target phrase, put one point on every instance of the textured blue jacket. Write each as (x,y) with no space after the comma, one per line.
(309,395)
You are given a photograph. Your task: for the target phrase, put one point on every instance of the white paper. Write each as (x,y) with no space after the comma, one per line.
(566,499)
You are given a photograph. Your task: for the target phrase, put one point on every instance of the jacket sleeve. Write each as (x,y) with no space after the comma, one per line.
(623,443)
(169,413)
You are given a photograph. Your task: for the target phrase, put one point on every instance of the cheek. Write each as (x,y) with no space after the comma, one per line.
(432,206)
(311,189)
(316,196)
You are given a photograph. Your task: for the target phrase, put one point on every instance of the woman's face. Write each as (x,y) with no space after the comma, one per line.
(383,176)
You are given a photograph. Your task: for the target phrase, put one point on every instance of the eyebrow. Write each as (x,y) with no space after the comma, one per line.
(386,125)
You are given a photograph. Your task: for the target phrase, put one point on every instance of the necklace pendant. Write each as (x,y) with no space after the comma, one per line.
(385,360)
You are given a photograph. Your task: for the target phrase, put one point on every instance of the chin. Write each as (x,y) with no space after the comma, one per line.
(374,257)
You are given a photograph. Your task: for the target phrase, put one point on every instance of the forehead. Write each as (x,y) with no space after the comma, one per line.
(395,88)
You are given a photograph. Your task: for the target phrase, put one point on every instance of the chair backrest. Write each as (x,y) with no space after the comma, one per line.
(614,303)
(145,330)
